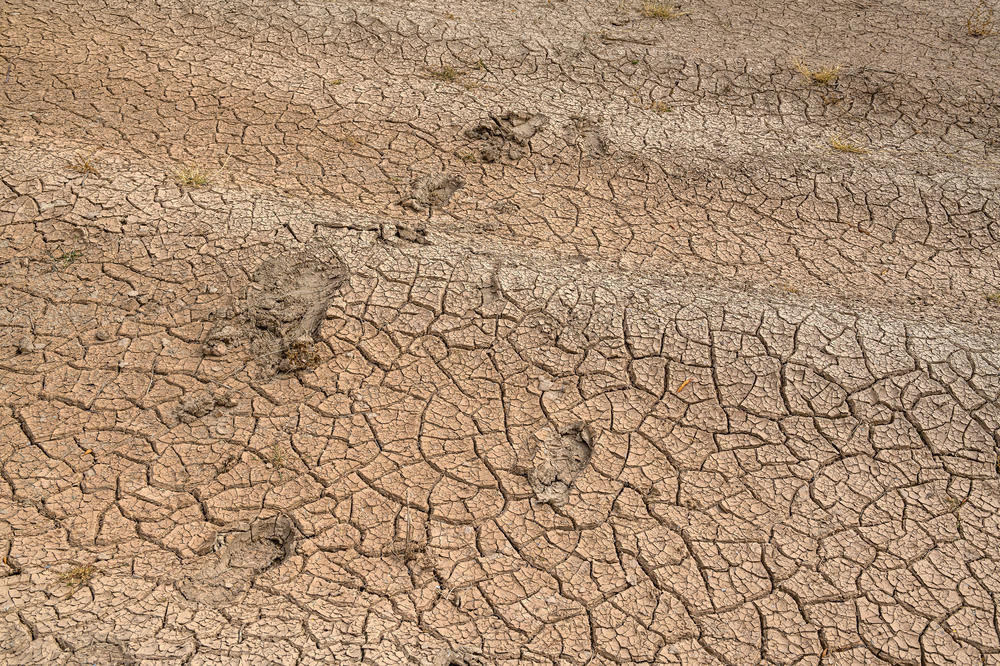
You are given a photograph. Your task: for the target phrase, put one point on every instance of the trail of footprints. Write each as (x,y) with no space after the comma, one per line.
(633,389)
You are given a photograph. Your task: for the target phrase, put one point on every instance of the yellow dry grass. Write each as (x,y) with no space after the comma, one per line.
(822,76)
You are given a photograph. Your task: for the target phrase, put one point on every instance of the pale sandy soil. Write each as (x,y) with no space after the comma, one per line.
(498,333)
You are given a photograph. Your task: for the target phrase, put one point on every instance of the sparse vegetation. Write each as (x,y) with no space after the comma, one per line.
(993,298)
(823,76)
(78,576)
(300,355)
(661,10)
(445,73)
(660,107)
(846,147)
(980,21)
(192,176)
(68,258)
(84,166)
(64,260)
(410,550)
(349,139)
(275,456)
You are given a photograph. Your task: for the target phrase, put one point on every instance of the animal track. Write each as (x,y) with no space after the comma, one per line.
(431,191)
(268,421)
(508,133)
(558,458)
(281,312)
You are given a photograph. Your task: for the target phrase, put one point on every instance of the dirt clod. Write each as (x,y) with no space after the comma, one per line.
(198,405)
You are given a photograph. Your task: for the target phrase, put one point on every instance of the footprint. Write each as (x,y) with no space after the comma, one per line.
(431,191)
(243,555)
(508,133)
(558,459)
(284,306)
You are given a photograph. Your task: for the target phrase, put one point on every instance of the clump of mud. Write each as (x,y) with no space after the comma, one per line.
(431,191)
(509,133)
(279,317)
(194,407)
(414,234)
(557,460)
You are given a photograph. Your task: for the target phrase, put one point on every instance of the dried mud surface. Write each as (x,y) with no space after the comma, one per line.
(498,333)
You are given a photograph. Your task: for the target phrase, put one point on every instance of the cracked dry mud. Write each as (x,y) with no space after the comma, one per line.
(498,333)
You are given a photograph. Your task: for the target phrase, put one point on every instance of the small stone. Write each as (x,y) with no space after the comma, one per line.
(102,335)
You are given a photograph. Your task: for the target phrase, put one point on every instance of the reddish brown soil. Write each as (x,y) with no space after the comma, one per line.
(498,333)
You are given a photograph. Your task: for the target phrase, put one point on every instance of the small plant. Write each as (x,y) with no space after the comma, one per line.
(300,355)
(84,166)
(661,10)
(68,258)
(660,107)
(275,456)
(64,260)
(845,147)
(446,73)
(78,576)
(823,76)
(993,298)
(192,176)
(980,21)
